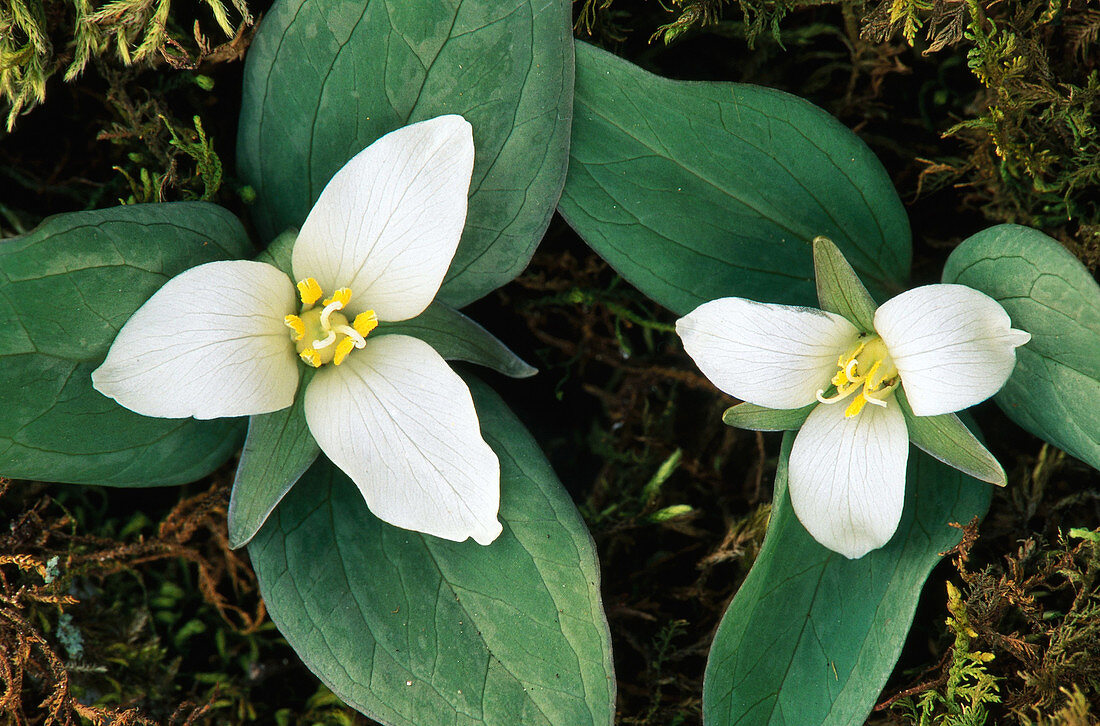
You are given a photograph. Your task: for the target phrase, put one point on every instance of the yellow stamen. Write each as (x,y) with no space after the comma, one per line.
(309,290)
(365,322)
(342,296)
(295,323)
(344,347)
(322,334)
(855,406)
(867,371)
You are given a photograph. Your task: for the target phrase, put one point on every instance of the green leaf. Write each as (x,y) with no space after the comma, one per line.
(839,289)
(696,191)
(457,337)
(412,629)
(948,439)
(278,450)
(325,78)
(757,418)
(65,290)
(1054,391)
(811,636)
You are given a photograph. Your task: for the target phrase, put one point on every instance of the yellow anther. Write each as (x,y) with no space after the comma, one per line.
(311,357)
(855,406)
(866,370)
(342,296)
(344,347)
(295,323)
(309,290)
(365,322)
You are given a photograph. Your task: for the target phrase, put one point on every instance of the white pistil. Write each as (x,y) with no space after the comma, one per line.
(329,310)
(352,333)
(326,341)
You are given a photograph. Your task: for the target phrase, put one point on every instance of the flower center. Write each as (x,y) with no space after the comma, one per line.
(322,334)
(866,368)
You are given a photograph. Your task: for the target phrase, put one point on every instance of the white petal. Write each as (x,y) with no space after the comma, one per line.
(953,346)
(771,355)
(397,420)
(847,476)
(388,223)
(210,343)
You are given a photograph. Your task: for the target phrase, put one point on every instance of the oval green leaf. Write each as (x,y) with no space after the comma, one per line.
(695,191)
(1054,392)
(65,290)
(414,630)
(324,79)
(811,636)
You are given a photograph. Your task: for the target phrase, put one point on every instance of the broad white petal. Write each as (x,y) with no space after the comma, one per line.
(953,346)
(388,223)
(847,476)
(210,343)
(397,420)
(776,356)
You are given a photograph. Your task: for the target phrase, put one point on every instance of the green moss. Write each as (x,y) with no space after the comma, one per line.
(126,32)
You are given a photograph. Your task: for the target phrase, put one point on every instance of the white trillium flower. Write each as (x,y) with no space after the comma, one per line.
(227,338)
(947,346)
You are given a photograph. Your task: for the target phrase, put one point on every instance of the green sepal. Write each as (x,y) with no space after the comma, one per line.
(946,438)
(278,450)
(279,252)
(839,289)
(457,337)
(758,418)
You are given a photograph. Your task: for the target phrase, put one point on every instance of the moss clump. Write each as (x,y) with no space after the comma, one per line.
(1025,638)
(40,37)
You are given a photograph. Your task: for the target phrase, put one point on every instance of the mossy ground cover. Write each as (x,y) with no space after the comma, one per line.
(126,606)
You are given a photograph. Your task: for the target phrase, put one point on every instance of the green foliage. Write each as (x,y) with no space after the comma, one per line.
(711,189)
(969,688)
(832,628)
(412,629)
(1054,391)
(507,68)
(130,32)
(66,288)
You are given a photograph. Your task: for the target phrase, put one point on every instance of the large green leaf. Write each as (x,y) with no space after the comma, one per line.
(811,636)
(695,191)
(65,290)
(1055,390)
(325,78)
(412,629)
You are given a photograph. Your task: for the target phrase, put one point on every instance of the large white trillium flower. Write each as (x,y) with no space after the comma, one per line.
(228,338)
(947,346)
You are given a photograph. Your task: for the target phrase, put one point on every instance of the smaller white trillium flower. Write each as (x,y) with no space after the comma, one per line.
(228,338)
(947,346)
